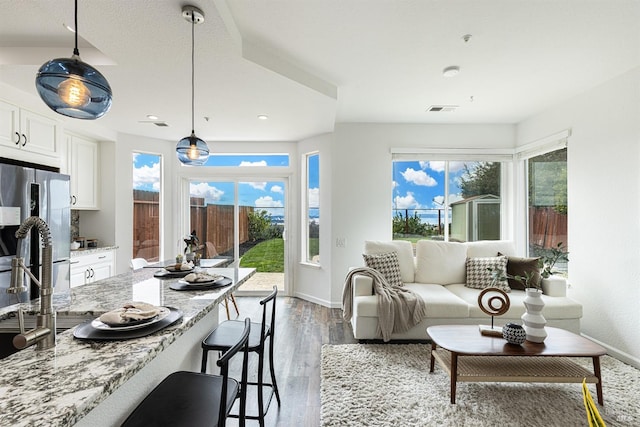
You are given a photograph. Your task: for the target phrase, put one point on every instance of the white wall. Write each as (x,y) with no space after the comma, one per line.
(361,177)
(311,281)
(604,206)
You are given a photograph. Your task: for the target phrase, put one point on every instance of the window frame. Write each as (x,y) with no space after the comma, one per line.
(305,209)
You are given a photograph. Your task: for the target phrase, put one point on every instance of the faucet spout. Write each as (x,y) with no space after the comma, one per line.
(44,334)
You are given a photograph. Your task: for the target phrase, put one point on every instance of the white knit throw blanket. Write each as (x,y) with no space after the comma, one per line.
(399,308)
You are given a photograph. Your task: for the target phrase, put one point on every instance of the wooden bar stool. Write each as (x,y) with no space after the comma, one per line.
(226,333)
(194,399)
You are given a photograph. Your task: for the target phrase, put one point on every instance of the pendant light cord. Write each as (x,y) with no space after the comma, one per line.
(75,17)
(193,26)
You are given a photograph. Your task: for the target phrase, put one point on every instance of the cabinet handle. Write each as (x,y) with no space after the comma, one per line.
(25,139)
(73,200)
(102,257)
(92,273)
(17,139)
(74,262)
(87,274)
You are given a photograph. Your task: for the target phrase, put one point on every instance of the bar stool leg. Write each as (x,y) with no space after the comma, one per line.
(260,386)
(273,375)
(233,299)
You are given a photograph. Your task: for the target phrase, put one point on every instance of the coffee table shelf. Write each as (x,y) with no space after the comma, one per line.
(515,369)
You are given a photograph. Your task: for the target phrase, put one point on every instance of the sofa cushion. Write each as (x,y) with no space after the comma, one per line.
(387,265)
(480,275)
(440,263)
(518,266)
(404,249)
(485,248)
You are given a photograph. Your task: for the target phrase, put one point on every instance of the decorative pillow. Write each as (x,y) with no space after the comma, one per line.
(479,274)
(517,266)
(440,263)
(387,265)
(404,249)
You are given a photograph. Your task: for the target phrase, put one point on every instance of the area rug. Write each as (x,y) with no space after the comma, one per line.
(390,385)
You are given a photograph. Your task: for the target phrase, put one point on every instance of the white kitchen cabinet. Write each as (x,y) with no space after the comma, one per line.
(91,267)
(83,167)
(27,134)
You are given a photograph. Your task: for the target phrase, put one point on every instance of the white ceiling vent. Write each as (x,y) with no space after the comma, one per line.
(442,108)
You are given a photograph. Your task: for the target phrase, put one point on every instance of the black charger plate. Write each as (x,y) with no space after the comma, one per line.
(185,286)
(85,331)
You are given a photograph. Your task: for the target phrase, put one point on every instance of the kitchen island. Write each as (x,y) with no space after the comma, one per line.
(97,383)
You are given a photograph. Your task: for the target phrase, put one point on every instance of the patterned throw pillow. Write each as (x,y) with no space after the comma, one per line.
(387,265)
(479,274)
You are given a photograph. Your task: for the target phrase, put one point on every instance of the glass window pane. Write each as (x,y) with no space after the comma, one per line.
(212,219)
(313,209)
(547,176)
(146,206)
(432,196)
(248,160)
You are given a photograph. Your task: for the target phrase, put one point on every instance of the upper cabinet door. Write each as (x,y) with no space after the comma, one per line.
(9,125)
(40,133)
(83,169)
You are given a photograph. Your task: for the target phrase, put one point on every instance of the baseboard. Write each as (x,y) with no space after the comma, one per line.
(618,354)
(314,299)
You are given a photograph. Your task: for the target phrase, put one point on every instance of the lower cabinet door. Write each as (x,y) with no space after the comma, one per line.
(101,271)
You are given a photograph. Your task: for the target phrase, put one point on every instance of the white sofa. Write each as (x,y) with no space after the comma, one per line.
(437,273)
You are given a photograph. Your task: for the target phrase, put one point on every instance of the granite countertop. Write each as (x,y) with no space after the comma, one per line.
(86,251)
(64,383)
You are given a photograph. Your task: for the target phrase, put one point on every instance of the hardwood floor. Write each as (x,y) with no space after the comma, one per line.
(302,328)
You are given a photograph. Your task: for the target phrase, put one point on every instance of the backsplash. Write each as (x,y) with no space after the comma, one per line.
(75,224)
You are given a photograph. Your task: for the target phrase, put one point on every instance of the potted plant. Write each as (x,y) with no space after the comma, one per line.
(192,242)
(553,284)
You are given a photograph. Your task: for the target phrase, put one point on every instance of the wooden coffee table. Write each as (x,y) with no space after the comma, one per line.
(469,356)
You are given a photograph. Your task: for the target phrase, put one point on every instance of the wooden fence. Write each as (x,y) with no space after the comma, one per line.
(213,225)
(547,227)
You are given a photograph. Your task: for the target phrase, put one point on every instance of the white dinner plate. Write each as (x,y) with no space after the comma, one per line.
(98,324)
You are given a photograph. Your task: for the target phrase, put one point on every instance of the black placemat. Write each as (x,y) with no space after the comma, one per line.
(177,286)
(85,331)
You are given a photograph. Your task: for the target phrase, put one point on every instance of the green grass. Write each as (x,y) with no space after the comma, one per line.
(265,257)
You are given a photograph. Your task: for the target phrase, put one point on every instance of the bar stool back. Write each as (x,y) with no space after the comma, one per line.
(225,334)
(194,399)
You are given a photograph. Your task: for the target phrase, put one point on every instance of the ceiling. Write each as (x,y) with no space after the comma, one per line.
(308,64)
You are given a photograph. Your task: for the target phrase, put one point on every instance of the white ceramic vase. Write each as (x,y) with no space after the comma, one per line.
(533,319)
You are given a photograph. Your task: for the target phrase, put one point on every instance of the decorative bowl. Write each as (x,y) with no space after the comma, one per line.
(514,333)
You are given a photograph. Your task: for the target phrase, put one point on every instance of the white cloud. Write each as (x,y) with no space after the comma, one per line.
(395,184)
(423,164)
(267,202)
(277,189)
(257,185)
(203,189)
(406,202)
(147,175)
(439,200)
(314,197)
(258,163)
(419,178)
(438,166)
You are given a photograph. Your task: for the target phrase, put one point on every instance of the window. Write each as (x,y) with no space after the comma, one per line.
(311,209)
(146,206)
(248,160)
(547,203)
(446,200)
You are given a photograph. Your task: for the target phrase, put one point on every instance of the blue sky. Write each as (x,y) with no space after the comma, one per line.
(420,185)
(262,194)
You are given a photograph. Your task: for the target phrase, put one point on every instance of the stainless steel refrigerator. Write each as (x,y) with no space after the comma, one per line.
(27,190)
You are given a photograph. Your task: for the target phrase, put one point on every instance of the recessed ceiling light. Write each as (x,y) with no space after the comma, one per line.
(451,71)
(152,117)
(263,117)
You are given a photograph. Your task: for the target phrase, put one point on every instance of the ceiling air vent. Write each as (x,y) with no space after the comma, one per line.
(442,108)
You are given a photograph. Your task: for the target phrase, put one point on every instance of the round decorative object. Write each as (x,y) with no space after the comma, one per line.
(514,333)
(494,305)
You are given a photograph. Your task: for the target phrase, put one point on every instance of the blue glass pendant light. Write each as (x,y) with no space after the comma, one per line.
(74,88)
(192,150)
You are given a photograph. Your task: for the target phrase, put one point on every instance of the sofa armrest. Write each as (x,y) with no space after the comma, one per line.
(362,285)
(554,286)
